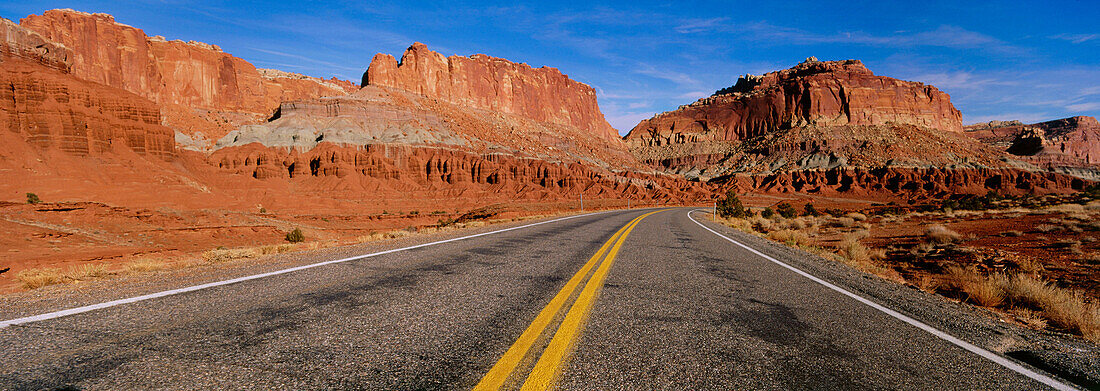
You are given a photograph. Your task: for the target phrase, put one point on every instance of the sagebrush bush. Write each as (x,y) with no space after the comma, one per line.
(295,236)
(939,234)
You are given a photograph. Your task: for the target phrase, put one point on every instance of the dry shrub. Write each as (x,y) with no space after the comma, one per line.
(144,265)
(845,222)
(37,278)
(939,234)
(1065,308)
(982,290)
(739,224)
(790,237)
(1067,208)
(855,254)
(222,255)
(1033,319)
(1028,265)
(856,216)
(276,249)
(928,284)
(762,224)
(89,271)
(1048,228)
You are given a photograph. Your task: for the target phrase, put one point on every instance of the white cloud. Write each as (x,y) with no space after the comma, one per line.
(1087,106)
(700,25)
(1077,38)
(694,95)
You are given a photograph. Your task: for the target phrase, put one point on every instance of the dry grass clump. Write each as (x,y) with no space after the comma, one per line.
(1030,299)
(1064,308)
(37,278)
(855,254)
(1067,208)
(89,271)
(1012,233)
(144,265)
(856,216)
(791,237)
(844,222)
(1048,228)
(987,291)
(939,234)
(277,249)
(222,255)
(1033,319)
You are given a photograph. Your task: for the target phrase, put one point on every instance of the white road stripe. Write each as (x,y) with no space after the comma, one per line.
(93,307)
(931,330)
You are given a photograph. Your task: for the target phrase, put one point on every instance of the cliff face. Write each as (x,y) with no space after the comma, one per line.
(44,106)
(182,77)
(489,83)
(813,93)
(1073,141)
(22,44)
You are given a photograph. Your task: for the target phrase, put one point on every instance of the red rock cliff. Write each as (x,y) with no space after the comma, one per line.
(192,74)
(489,83)
(41,104)
(813,93)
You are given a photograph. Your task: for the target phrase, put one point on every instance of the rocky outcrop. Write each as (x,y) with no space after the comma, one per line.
(494,84)
(813,93)
(50,109)
(1073,141)
(19,43)
(180,76)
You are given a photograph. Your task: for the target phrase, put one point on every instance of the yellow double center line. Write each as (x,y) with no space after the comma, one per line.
(549,364)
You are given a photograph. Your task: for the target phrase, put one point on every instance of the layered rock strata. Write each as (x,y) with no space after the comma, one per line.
(49,109)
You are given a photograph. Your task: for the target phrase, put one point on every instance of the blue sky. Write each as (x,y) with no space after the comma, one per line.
(1030,61)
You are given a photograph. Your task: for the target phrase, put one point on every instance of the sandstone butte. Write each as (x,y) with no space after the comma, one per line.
(489,83)
(199,88)
(834,126)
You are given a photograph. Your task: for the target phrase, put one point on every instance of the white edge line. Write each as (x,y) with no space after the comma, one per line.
(93,307)
(915,323)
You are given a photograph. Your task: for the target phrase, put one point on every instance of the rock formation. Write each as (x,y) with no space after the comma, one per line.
(831,119)
(1071,142)
(488,83)
(199,86)
(44,106)
(813,93)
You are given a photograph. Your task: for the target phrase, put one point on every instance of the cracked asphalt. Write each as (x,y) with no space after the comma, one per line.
(681,308)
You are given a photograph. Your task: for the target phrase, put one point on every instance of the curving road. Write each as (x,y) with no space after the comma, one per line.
(642,299)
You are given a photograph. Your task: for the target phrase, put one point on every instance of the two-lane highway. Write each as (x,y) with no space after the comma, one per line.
(644,299)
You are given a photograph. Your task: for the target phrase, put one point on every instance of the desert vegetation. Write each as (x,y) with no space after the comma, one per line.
(1029,259)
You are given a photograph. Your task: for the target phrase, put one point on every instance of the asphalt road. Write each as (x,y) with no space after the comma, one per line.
(592,302)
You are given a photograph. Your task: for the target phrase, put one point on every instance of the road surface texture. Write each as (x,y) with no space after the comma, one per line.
(641,299)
